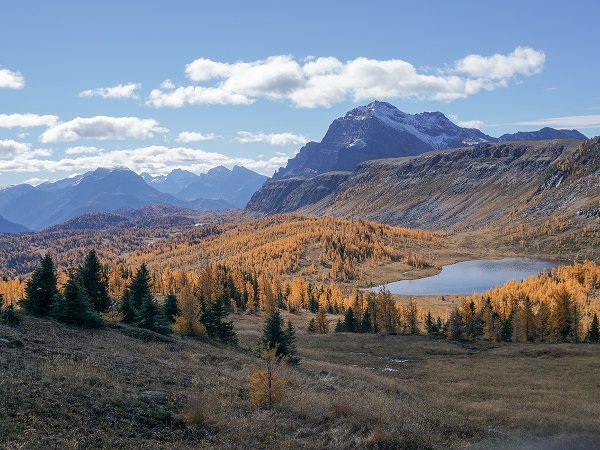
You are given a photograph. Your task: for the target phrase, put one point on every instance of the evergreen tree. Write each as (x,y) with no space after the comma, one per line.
(429,324)
(292,357)
(126,307)
(312,326)
(212,316)
(171,310)
(365,323)
(140,287)
(274,337)
(594,331)
(339,326)
(9,315)
(73,306)
(95,282)
(455,326)
(150,316)
(313,305)
(506,329)
(41,289)
(350,322)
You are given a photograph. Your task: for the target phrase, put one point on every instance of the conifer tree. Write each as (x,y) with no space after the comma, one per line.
(594,331)
(292,357)
(350,323)
(140,287)
(95,282)
(73,306)
(212,316)
(312,326)
(171,310)
(126,307)
(455,325)
(8,314)
(429,324)
(322,322)
(150,316)
(274,337)
(365,323)
(41,289)
(339,326)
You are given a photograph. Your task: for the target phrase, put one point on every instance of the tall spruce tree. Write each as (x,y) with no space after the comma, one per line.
(212,317)
(73,306)
(151,317)
(140,287)
(594,331)
(350,322)
(41,288)
(171,310)
(275,338)
(95,282)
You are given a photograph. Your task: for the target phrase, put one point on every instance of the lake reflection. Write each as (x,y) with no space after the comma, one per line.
(471,276)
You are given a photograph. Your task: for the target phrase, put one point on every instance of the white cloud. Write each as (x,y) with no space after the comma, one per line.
(120,91)
(102,128)
(11,80)
(193,136)
(286,138)
(82,149)
(591,121)
(474,123)
(167,84)
(14,149)
(325,81)
(522,61)
(155,159)
(10,148)
(27,120)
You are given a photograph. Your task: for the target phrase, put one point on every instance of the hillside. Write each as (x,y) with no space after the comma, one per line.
(465,188)
(7,226)
(121,387)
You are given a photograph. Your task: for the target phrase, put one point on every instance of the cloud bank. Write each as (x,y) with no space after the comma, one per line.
(590,121)
(102,128)
(287,138)
(27,120)
(325,81)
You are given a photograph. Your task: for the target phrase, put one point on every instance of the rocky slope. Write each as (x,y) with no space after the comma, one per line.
(460,188)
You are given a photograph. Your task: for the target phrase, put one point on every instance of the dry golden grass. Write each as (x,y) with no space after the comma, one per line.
(68,388)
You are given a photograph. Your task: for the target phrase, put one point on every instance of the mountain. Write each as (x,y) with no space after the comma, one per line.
(454,188)
(102,190)
(374,131)
(543,134)
(219,188)
(174,182)
(235,187)
(7,226)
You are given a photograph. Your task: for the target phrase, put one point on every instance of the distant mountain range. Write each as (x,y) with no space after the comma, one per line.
(380,130)
(234,186)
(108,190)
(320,169)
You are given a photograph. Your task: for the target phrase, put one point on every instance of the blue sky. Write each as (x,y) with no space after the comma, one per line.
(249,82)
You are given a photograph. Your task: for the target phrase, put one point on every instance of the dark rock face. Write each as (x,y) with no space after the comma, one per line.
(543,134)
(290,194)
(374,131)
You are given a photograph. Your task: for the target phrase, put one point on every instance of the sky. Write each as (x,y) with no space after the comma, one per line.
(158,85)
